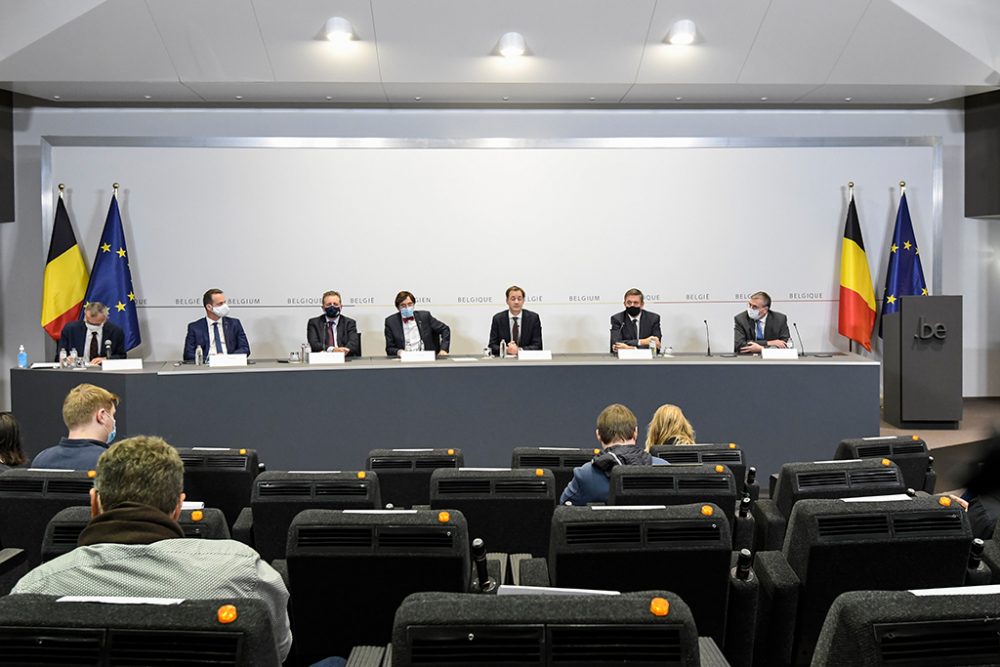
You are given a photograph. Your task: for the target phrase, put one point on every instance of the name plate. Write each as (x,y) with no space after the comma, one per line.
(121,365)
(638,353)
(325,358)
(422,355)
(534,355)
(779,353)
(227,360)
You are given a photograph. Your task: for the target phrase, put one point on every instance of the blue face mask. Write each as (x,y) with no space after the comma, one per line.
(406,312)
(114,431)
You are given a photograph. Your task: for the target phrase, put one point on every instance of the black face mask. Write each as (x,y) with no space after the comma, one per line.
(633,311)
(331,311)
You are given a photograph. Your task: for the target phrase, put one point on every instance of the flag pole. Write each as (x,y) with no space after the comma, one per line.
(850,197)
(62,188)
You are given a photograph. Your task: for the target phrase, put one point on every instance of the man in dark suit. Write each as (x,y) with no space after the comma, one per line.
(90,336)
(758,326)
(333,331)
(411,329)
(216,333)
(521,329)
(635,326)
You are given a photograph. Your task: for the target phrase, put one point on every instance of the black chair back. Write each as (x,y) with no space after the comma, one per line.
(562,461)
(728,454)
(836,479)
(511,510)
(220,477)
(377,557)
(674,485)
(909,452)
(686,549)
(30,498)
(279,496)
(37,630)
(404,475)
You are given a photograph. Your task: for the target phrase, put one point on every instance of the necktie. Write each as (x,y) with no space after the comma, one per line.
(218,340)
(331,340)
(515,333)
(635,323)
(93,344)
(760,330)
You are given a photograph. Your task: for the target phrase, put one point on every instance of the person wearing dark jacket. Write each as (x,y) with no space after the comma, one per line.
(617,429)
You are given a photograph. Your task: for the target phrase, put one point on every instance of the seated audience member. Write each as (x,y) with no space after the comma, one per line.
(758,326)
(333,331)
(414,330)
(669,427)
(134,547)
(89,335)
(10,442)
(89,414)
(982,491)
(216,333)
(617,430)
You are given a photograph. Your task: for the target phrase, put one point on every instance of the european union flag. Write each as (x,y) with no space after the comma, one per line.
(111,279)
(905,276)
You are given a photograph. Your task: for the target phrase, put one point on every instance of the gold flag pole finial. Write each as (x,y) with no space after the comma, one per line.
(902,186)
(850,187)
(62,189)
(115,186)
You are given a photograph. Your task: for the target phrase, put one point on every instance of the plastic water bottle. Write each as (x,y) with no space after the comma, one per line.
(22,357)
(71,360)
(503,349)
(652,347)
(199,356)
(62,357)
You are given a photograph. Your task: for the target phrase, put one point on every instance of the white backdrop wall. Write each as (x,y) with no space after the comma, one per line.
(803,229)
(697,228)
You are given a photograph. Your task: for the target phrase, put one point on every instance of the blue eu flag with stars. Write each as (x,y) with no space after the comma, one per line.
(111,278)
(905,276)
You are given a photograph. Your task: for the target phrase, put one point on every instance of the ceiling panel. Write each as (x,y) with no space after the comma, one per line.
(212,41)
(800,41)
(454,41)
(116,41)
(974,24)
(726,33)
(25,21)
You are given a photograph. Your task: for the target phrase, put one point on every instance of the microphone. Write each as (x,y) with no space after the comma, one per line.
(708,340)
(802,350)
(107,349)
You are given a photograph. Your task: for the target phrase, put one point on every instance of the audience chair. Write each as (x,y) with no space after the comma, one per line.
(909,452)
(728,454)
(63,531)
(220,477)
(823,479)
(644,628)
(279,496)
(342,562)
(953,626)
(511,510)
(675,485)
(562,461)
(38,630)
(404,475)
(30,498)
(835,546)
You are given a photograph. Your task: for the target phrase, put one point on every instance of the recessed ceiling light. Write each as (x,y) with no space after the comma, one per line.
(338,29)
(678,98)
(329,97)
(57,97)
(239,97)
(512,45)
(592,99)
(505,98)
(147,97)
(682,33)
(764,99)
(930,99)
(417,98)
(848,99)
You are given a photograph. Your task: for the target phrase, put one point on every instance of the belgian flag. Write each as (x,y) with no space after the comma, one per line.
(857,293)
(65,276)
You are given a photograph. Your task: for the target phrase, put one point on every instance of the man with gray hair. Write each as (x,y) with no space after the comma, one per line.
(134,547)
(90,336)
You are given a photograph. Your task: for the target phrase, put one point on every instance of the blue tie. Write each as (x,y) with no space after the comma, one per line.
(760,330)
(218,341)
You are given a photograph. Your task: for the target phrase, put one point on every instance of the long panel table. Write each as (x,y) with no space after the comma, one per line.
(328,417)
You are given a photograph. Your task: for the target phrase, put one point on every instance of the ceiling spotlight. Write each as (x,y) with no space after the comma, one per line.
(147,97)
(506,97)
(592,99)
(678,98)
(682,33)
(764,99)
(329,97)
(512,45)
(848,99)
(930,99)
(417,98)
(338,29)
(239,97)
(57,97)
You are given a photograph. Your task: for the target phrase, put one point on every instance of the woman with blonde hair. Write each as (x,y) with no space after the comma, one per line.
(669,427)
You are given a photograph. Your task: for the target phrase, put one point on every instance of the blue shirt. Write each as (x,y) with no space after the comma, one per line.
(75,454)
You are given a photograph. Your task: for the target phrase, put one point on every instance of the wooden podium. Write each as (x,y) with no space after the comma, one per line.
(922,363)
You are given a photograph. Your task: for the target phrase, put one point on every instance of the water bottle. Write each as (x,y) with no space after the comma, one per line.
(652,347)
(305,349)
(503,349)
(22,357)
(199,356)
(62,357)
(71,360)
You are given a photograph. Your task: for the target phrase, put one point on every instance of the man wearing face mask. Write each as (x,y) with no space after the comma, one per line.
(216,333)
(758,326)
(333,331)
(635,326)
(90,335)
(89,414)
(414,330)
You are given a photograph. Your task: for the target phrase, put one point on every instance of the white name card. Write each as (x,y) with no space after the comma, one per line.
(45,364)
(779,353)
(325,358)
(422,355)
(636,354)
(121,365)
(534,355)
(227,360)
(191,505)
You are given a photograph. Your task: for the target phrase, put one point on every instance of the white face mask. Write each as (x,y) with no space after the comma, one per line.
(754,314)
(221,311)
(91,328)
